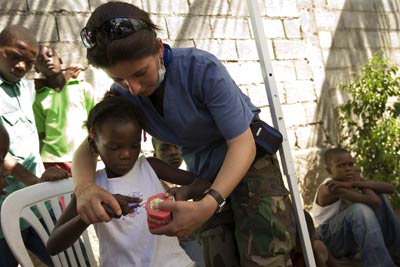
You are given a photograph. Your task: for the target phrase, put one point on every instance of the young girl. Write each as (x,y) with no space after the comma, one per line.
(115,134)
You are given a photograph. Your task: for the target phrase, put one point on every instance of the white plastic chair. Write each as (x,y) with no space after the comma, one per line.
(18,205)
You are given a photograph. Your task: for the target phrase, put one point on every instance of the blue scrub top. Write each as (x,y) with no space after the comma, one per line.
(203,107)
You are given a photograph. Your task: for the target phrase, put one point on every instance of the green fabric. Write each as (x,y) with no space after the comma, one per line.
(16,115)
(61,116)
(263,225)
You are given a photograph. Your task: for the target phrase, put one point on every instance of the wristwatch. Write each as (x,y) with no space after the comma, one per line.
(220,200)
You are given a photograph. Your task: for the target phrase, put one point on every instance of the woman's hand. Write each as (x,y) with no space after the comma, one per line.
(187,216)
(89,203)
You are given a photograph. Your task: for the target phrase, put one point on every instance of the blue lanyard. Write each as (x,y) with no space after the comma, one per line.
(167,57)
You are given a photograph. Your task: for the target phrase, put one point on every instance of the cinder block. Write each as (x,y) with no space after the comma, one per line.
(310,136)
(311,176)
(362,5)
(222,49)
(298,119)
(328,20)
(325,39)
(247,49)
(361,20)
(339,4)
(273,28)
(160,22)
(395,56)
(387,5)
(318,3)
(95,3)
(257,94)
(44,26)
(360,56)
(282,8)
(346,39)
(72,53)
(292,28)
(335,77)
(271,52)
(311,112)
(289,49)
(230,28)
(374,39)
(283,70)
(240,8)
(393,20)
(245,73)
(266,115)
(394,37)
(166,7)
(207,8)
(58,5)
(188,27)
(337,58)
(299,91)
(303,70)
(8,5)
(70,26)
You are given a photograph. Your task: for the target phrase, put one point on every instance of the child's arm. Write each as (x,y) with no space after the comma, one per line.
(331,192)
(171,174)
(67,230)
(19,171)
(378,187)
(70,225)
(195,185)
(27,177)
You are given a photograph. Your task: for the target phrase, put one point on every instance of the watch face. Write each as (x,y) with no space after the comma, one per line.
(221,207)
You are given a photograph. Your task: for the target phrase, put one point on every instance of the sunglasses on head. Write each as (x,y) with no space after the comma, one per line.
(115,28)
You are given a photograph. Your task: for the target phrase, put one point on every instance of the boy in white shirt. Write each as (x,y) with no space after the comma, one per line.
(353,214)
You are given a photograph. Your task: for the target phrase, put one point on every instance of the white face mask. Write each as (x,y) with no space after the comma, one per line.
(161,74)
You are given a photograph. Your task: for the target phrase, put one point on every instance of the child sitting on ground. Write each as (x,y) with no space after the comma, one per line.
(354,216)
(115,134)
(321,254)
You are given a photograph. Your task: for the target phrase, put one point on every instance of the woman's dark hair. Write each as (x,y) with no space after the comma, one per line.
(117,108)
(137,45)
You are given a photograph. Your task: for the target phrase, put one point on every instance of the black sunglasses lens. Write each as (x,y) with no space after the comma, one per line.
(88,38)
(114,29)
(118,28)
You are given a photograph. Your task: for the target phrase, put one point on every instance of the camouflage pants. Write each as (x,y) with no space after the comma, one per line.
(264,228)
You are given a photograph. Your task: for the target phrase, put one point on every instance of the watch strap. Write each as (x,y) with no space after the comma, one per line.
(217,196)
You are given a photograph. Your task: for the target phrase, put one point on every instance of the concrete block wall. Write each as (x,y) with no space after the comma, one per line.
(314,46)
(340,36)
